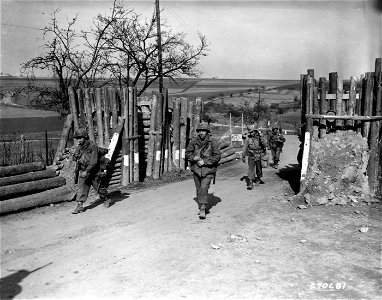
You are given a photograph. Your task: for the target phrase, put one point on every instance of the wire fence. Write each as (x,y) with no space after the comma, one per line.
(22,149)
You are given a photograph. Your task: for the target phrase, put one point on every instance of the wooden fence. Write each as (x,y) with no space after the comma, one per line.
(359,108)
(154,133)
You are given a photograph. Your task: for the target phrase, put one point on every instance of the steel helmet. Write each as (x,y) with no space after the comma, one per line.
(203,126)
(81,132)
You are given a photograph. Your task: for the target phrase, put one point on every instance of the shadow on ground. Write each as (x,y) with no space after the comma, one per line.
(115,196)
(10,285)
(212,201)
(291,173)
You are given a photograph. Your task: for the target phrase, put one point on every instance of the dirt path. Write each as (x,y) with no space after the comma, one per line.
(151,244)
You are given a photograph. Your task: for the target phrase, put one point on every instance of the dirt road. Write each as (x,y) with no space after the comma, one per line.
(151,244)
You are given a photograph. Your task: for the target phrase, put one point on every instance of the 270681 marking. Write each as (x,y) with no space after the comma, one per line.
(327,286)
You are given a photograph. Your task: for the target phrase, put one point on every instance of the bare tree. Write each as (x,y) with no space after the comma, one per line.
(131,50)
(253,113)
(71,57)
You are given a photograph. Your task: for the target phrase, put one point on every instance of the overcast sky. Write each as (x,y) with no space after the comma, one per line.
(248,39)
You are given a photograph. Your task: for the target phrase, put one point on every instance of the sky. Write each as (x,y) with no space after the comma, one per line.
(248,39)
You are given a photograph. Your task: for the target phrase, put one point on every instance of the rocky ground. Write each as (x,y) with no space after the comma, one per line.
(150,244)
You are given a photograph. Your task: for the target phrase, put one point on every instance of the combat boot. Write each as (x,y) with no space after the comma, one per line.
(107,203)
(257,181)
(202,211)
(79,208)
(250,185)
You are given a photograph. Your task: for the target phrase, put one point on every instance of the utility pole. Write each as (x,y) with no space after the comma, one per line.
(159,42)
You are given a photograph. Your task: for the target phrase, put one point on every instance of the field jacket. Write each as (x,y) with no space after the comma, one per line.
(276,140)
(254,147)
(207,149)
(88,157)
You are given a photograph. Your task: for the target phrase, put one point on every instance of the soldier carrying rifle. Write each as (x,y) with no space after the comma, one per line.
(91,169)
(276,144)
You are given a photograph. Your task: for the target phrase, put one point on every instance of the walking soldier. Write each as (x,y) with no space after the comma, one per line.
(89,170)
(254,147)
(203,154)
(276,143)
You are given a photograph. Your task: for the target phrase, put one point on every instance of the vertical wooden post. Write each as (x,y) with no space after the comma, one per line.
(176,132)
(333,89)
(99,116)
(135,133)
(81,108)
(113,104)
(374,167)
(106,116)
(316,110)
(166,148)
(92,99)
(131,133)
(303,97)
(309,103)
(73,107)
(89,115)
(359,104)
(198,110)
(125,141)
(190,121)
(64,136)
(323,105)
(183,131)
(368,104)
(151,144)
(158,138)
(352,100)
(339,104)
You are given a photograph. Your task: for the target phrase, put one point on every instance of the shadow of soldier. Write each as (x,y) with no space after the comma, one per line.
(10,285)
(212,201)
(115,196)
(291,173)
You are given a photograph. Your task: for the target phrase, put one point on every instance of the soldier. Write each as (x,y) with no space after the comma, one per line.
(276,144)
(90,174)
(203,153)
(254,147)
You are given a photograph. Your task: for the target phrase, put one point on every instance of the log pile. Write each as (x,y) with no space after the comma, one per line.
(30,185)
(228,152)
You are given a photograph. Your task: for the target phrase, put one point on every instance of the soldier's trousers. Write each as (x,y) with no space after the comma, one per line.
(255,170)
(84,185)
(202,185)
(276,154)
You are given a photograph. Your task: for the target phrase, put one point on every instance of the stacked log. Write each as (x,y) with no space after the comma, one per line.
(228,152)
(30,185)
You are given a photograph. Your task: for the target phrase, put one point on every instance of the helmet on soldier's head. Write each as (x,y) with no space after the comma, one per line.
(81,133)
(203,126)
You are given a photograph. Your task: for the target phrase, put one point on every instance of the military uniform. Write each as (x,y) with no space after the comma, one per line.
(276,143)
(203,155)
(254,147)
(90,174)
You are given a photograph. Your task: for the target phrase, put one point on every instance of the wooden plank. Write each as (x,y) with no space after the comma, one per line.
(131,132)
(125,142)
(176,132)
(303,97)
(198,111)
(135,133)
(339,104)
(89,115)
(352,100)
(158,139)
(81,109)
(305,162)
(183,131)
(151,143)
(113,102)
(333,89)
(358,104)
(106,116)
(323,105)
(368,103)
(98,105)
(309,103)
(358,118)
(114,141)
(68,125)
(73,107)
(344,96)
(190,121)
(374,167)
(316,110)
